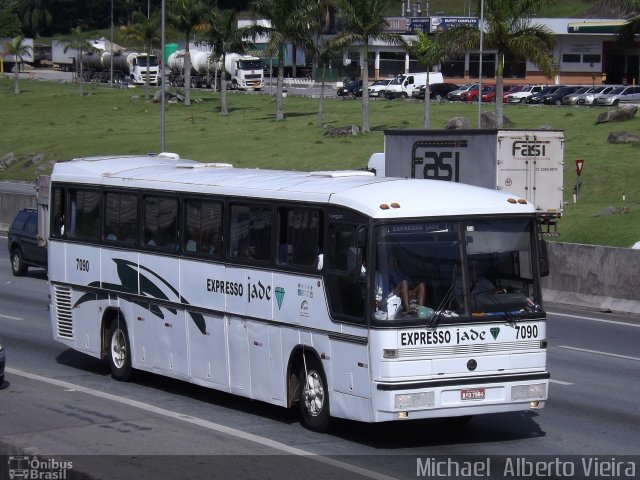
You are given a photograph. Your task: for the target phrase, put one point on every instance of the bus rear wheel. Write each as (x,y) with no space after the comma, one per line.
(314,400)
(119,354)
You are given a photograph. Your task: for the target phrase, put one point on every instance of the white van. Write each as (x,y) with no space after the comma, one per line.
(404,84)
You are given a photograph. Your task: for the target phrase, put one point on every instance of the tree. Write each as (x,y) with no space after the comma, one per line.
(325,50)
(144,30)
(10,25)
(18,50)
(226,37)
(509,32)
(36,16)
(364,21)
(78,40)
(289,24)
(186,16)
(429,51)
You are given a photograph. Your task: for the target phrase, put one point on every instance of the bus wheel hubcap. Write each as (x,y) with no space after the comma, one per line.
(118,348)
(313,393)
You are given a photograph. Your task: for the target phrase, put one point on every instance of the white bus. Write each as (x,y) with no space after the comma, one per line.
(256,282)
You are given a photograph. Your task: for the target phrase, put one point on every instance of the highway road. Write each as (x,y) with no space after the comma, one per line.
(60,404)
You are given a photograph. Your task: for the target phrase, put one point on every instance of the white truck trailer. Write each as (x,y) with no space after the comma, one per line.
(527,163)
(202,68)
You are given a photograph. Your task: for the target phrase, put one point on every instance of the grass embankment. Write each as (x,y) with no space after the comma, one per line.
(53,120)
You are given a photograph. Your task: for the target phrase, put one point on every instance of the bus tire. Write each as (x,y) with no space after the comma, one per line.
(119,354)
(18,267)
(314,397)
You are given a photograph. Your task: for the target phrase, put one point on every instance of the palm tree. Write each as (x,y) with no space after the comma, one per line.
(364,21)
(144,30)
(289,24)
(325,50)
(18,50)
(226,37)
(79,41)
(186,16)
(10,25)
(36,16)
(428,51)
(508,31)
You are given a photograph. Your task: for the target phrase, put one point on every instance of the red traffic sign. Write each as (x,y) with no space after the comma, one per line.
(579,164)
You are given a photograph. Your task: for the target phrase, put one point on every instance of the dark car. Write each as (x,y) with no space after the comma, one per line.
(537,98)
(437,91)
(556,97)
(24,248)
(350,89)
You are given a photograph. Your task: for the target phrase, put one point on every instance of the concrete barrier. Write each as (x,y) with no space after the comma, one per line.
(604,278)
(11,202)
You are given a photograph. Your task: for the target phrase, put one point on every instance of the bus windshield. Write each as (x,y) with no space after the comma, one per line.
(455,271)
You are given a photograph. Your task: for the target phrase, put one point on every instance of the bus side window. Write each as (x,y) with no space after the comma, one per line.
(120,218)
(299,237)
(250,232)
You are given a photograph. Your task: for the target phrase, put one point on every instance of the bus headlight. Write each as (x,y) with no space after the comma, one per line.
(523,392)
(414,400)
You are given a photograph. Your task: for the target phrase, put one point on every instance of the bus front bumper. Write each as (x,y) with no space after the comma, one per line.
(460,397)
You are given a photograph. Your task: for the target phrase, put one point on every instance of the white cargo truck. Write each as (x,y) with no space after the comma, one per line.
(527,163)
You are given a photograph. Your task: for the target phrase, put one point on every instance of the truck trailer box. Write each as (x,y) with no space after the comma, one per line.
(526,163)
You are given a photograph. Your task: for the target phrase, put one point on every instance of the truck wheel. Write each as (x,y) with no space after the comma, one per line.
(314,399)
(382,94)
(119,354)
(404,95)
(18,267)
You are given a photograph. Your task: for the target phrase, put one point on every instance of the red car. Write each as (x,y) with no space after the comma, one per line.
(471,95)
(512,89)
(490,96)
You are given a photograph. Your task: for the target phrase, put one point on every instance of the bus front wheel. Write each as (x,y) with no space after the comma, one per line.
(314,400)
(119,355)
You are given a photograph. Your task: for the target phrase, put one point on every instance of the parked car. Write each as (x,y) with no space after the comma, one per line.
(537,98)
(2,360)
(590,98)
(521,95)
(572,98)
(512,89)
(350,89)
(455,94)
(471,95)
(437,91)
(555,98)
(377,88)
(620,95)
(24,250)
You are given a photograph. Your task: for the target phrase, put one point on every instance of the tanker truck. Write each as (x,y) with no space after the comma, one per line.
(202,68)
(128,66)
(243,72)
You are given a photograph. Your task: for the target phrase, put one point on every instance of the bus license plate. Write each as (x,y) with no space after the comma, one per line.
(472,394)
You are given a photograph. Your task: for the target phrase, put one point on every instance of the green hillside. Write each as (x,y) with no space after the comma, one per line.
(50,122)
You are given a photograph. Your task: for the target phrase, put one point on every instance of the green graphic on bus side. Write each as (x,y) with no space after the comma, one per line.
(128,276)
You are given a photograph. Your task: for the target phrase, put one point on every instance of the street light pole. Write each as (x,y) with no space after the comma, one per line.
(480,66)
(111,49)
(162,80)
